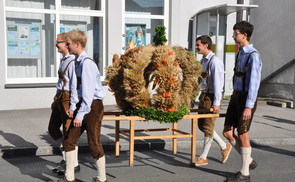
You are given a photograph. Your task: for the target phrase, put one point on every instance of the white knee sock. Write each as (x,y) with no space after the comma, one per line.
(237,146)
(101,168)
(59,144)
(70,165)
(207,145)
(76,156)
(218,140)
(246,158)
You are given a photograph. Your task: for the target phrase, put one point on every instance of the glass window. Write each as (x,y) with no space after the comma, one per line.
(93,28)
(141,30)
(39,4)
(210,22)
(31,41)
(148,7)
(81,4)
(28,34)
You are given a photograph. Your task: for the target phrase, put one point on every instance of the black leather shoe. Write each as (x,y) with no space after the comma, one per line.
(62,171)
(238,177)
(253,165)
(97,180)
(77,169)
(62,165)
(64,179)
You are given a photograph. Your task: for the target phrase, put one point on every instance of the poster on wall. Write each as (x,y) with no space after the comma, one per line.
(12,48)
(12,32)
(24,48)
(23,38)
(34,33)
(23,32)
(136,32)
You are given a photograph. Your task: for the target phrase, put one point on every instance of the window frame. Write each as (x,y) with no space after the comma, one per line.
(164,17)
(58,11)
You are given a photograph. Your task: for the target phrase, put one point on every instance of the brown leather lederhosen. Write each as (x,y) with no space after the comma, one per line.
(206,99)
(92,124)
(61,104)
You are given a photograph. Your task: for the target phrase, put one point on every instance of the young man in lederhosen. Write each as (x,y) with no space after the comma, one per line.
(65,101)
(89,110)
(243,102)
(211,97)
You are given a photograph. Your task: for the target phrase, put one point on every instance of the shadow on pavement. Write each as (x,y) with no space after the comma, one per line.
(277,150)
(26,167)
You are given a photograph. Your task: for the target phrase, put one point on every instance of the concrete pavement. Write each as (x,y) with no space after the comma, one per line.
(24,132)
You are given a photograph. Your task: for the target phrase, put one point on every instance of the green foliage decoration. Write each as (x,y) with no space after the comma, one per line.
(160,37)
(157,115)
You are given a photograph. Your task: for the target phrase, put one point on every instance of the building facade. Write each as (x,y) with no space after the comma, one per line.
(29,59)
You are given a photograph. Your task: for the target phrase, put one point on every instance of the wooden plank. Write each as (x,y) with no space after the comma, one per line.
(194,140)
(191,116)
(117,138)
(153,129)
(122,118)
(197,116)
(163,136)
(131,142)
(179,131)
(125,133)
(174,140)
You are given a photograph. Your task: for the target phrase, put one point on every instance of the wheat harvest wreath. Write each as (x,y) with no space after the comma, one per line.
(157,82)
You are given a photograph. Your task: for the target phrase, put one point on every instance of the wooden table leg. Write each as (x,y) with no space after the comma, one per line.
(174,140)
(131,143)
(117,137)
(194,140)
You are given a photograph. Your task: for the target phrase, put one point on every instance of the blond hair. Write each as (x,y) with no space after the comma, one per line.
(62,36)
(77,36)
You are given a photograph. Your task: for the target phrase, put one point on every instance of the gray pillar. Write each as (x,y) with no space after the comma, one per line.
(240,13)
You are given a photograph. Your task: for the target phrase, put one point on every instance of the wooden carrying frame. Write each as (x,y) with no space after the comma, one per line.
(176,133)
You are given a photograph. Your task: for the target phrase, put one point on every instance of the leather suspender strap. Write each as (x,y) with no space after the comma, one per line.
(79,81)
(89,58)
(207,78)
(244,70)
(63,75)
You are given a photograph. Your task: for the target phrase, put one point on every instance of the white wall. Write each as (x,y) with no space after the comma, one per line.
(273,37)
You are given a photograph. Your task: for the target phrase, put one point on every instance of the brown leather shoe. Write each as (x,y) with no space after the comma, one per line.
(201,161)
(225,153)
